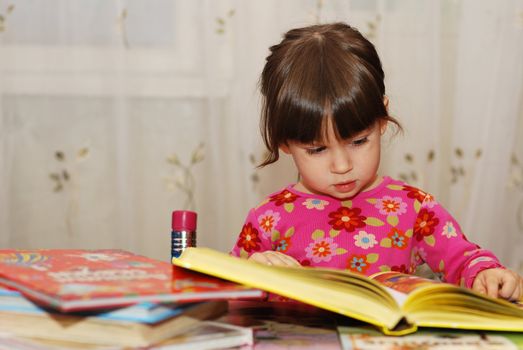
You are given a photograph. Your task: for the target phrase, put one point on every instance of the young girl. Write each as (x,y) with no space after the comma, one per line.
(325,105)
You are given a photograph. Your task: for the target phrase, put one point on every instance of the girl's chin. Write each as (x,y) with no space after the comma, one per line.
(337,192)
(343,196)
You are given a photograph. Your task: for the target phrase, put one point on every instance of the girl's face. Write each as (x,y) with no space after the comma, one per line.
(338,168)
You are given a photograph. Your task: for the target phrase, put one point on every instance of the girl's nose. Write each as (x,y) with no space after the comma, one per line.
(340,162)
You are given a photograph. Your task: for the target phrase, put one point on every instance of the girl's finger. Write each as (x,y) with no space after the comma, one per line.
(492,284)
(289,260)
(276,259)
(478,286)
(260,258)
(518,291)
(509,285)
(283,259)
(516,294)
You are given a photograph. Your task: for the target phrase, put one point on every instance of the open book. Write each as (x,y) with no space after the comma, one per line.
(396,303)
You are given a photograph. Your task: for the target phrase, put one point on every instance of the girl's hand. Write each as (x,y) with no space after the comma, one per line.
(271,257)
(499,283)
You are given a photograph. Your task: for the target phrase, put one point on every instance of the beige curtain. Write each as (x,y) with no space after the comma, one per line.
(115,113)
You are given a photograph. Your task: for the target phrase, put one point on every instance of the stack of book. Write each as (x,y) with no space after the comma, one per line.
(111,299)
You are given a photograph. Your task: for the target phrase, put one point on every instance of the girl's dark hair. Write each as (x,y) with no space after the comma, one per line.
(320,71)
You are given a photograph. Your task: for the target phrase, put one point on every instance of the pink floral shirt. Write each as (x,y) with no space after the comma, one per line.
(391,227)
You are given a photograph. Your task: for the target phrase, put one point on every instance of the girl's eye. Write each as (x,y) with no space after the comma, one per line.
(315,150)
(360,142)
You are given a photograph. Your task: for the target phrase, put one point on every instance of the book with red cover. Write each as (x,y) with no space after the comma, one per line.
(80,279)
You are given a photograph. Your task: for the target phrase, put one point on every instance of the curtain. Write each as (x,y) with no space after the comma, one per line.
(115,113)
(488,102)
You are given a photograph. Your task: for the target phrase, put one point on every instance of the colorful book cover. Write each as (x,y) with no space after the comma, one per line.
(367,338)
(12,302)
(77,279)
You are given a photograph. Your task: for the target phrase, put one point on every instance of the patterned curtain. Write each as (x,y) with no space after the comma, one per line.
(115,113)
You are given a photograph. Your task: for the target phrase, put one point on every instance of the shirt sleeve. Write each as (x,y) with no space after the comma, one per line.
(442,244)
(252,238)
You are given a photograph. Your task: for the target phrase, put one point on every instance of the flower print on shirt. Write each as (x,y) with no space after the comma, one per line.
(348,219)
(283,197)
(391,205)
(358,263)
(286,199)
(398,238)
(321,249)
(425,224)
(282,241)
(449,230)
(305,262)
(249,238)
(418,256)
(268,221)
(415,193)
(283,244)
(401,268)
(315,203)
(365,240)
(429,201)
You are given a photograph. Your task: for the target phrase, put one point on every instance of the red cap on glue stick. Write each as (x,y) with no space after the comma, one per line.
(184,220)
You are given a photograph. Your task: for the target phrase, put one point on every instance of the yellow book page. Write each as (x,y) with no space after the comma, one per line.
(431,303)
(349,299)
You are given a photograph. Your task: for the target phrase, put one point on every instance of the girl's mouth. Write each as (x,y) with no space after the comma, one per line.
(345,186)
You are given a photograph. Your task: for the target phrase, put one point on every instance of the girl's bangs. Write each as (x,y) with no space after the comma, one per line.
(304,120)
(351,116)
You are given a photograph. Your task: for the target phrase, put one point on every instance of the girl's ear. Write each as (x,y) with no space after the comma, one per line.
(285,148)
(383,122)
(383,126)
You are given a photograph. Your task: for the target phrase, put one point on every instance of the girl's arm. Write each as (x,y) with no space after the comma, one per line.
(450,253)
(252,238)
(255,244)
